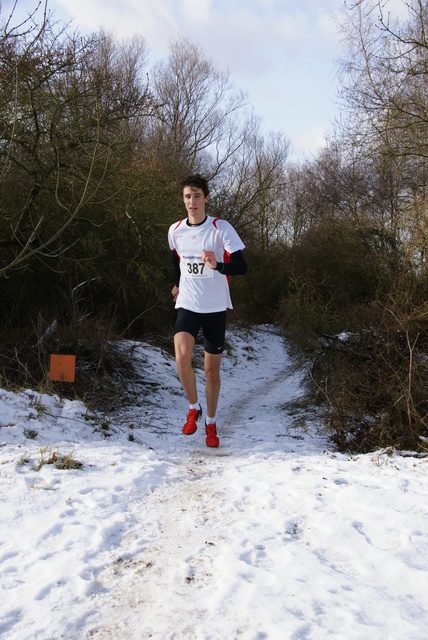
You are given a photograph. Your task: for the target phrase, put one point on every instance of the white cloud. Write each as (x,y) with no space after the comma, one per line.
(198,11)
(280,51)
(311,141)
(292,27)
(156,21)
(326,23)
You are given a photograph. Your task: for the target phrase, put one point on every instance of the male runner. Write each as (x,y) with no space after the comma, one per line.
(206,251)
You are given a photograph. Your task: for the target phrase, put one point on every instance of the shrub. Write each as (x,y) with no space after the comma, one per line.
(375,382)
(336,268)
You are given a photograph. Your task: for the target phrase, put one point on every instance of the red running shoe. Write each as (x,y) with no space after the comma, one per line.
(212,438)
(190,425)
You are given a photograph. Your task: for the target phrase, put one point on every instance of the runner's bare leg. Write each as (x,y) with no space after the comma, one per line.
(183,344)
(212,381)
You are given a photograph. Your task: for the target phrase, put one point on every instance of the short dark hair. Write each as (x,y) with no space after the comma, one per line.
(196,180)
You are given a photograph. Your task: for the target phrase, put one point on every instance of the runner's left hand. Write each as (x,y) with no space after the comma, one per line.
(208,257)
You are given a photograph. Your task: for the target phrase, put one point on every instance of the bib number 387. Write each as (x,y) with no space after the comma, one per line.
(195,268)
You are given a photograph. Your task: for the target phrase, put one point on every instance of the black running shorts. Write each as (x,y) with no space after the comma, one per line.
(213,327)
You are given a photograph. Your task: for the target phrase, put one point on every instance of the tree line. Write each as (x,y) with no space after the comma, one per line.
(93,143)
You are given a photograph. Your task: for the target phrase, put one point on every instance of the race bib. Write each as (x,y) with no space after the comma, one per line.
(193,267)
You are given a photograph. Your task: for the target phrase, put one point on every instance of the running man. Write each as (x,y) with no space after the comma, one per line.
(206,251)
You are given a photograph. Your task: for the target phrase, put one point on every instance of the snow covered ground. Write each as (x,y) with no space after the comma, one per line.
(273,535)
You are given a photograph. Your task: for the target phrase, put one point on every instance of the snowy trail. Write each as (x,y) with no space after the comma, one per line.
(200,517)
(205,556)
(273,535)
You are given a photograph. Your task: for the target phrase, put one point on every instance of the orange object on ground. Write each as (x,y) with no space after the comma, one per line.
(62,368)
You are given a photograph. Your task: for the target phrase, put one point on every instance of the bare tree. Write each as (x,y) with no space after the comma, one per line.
(197,119)
(385,93)
(67,108)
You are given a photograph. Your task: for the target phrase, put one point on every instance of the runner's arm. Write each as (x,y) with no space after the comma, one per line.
(176,265)
(235,267)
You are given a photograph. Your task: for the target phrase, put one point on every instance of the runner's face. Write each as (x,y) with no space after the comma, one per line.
(194,201)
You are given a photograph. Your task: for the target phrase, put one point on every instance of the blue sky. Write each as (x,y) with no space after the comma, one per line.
(281,52)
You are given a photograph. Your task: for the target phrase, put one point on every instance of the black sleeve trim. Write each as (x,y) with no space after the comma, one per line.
(235,267)
(176,265)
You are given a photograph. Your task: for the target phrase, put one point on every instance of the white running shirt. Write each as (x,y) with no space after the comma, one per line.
(203,289)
